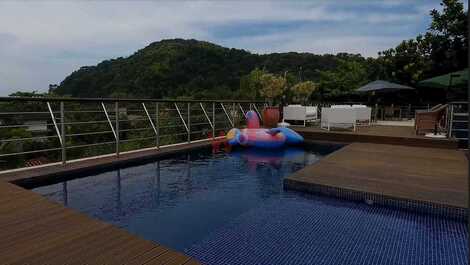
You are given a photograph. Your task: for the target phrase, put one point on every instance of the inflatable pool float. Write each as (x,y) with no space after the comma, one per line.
(255,136)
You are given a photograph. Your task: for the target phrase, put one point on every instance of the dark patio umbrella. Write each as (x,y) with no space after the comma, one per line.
(455,79)
(382,86)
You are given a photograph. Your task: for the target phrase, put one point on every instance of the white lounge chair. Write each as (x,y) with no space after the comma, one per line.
(300,113)
(338,118)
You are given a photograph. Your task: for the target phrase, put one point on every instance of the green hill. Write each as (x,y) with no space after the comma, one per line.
(187,68)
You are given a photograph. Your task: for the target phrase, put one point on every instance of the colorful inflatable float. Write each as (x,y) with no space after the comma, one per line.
(255,136)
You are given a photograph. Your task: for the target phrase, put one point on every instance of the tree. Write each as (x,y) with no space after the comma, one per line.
(272,86)
(33,94)
(442,49)
(250,85)
(343,81)
(405,63)
(448,37)
(303,90)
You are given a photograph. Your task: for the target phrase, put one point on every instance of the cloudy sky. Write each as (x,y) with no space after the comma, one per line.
(42,42)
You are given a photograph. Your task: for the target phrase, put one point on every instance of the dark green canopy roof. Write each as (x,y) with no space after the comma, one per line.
(382,86)
(455,79)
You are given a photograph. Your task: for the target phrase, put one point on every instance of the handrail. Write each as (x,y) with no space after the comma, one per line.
(54,99)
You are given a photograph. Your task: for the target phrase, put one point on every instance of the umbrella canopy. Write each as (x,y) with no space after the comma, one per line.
(382,86)
(455,79)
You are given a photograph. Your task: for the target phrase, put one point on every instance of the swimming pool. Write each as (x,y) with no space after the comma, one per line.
(230,208)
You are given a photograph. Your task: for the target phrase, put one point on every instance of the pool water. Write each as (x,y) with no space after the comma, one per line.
(230,208)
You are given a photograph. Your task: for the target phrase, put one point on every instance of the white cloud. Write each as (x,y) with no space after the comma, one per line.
(302,41)
(42,42)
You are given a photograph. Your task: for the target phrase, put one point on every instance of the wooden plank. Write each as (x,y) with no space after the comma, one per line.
(380,134)
(169,259)
(36,231)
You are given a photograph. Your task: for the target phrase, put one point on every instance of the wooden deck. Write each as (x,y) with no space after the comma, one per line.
(380,134)
(38,231)
(431,175)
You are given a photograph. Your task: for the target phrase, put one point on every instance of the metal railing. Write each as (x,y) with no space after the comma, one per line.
(36,131)
(458,120)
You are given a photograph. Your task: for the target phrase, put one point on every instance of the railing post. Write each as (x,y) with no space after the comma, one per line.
(116,113)
(227,114)
(257,111)
(205,114)
(213,120)
(150,119)
(234,114)
(109,121)
(450,119)
(189,122)
(62,132)
(376,111)
(182,118)
(59,135)
(157,121)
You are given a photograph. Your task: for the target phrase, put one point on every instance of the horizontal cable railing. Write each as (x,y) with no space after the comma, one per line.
(37,131)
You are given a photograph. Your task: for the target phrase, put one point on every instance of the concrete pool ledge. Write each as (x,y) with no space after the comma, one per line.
(49,174)
(427,180)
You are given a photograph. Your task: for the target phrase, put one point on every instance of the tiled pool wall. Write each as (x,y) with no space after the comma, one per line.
(445,211)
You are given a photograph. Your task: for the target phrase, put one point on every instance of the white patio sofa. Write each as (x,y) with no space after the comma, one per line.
(338,117)
(300,113)
(363,115)
(340,106)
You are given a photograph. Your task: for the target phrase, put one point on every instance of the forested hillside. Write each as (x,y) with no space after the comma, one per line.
(175,68)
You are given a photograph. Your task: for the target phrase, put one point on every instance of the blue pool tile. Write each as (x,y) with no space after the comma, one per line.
(315,230)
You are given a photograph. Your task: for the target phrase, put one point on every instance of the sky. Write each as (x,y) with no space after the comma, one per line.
(42,42)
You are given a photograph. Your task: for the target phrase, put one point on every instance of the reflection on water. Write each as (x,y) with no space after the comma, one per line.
(178,201)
